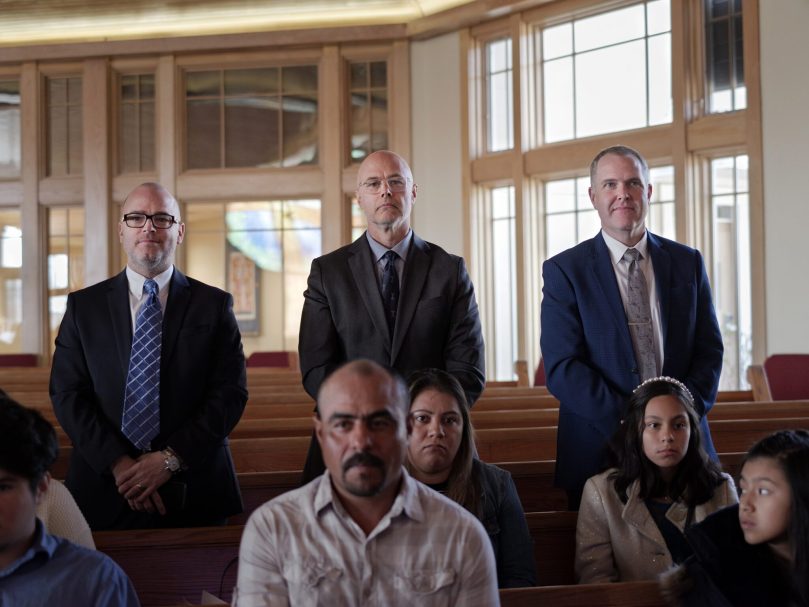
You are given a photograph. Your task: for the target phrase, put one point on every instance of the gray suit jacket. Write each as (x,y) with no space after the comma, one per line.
(437,321)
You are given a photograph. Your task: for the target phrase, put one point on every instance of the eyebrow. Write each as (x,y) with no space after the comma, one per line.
(680,416)
(374,415)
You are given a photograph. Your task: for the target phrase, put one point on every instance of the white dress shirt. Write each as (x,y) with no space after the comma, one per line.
(302,548)
(621,268)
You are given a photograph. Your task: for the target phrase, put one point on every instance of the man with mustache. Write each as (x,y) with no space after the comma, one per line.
(617,309)
(365,532)
(148,379)
(389,296)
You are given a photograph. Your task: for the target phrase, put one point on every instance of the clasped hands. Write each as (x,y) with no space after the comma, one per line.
(139,479)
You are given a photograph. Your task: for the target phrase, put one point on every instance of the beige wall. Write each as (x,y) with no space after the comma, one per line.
(436,122)
(785,107)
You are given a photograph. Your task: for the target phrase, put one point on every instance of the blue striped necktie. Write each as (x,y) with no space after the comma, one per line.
(141,418)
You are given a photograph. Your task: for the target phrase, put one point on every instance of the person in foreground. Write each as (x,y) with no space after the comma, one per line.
(618,309)
(633,516)
(364,533)
(38,569)
(148,379)
(440,453)
(756,553)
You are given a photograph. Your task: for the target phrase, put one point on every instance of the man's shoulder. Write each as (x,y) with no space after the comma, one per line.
(671,246)
(585,249)
(202,287)
(84,560)
(297,503)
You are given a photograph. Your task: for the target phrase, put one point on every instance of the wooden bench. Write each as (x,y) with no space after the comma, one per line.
(169,566)
(624,594)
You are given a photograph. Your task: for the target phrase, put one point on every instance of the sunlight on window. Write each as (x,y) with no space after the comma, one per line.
(499,115)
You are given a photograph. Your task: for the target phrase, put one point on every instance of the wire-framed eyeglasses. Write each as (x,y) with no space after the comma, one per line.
(394,184)
(162,221)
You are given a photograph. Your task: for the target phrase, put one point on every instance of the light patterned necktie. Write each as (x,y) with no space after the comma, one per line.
(390,289)
(639,316)
(141,418)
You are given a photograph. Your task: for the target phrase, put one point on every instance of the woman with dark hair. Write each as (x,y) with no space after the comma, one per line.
(633,515)
(756,553)
(441,454)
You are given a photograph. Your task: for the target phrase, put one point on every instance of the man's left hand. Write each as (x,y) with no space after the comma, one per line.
(140,481)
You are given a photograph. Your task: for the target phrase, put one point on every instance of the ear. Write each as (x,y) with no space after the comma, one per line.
(649,191)
(42,488)
(180,233)
(414,191)
(121,231)
(592,197)
(319,429)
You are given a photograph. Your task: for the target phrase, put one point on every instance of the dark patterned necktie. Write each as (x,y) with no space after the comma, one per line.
(141,418)
(639,316)
(390,289)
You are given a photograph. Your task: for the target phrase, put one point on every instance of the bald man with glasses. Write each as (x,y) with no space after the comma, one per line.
(148,379)
(389,296)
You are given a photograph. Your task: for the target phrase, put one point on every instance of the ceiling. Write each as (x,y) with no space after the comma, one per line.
(27,22)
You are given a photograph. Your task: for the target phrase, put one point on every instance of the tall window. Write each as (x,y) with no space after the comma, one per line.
(10,148)
(606,73)
(136,123)
(64,127)
(496,244)
(261,117)
(10,281)
(65,261)
(499,112)
(732,289)
(260,252)
(368,100)
(724,56)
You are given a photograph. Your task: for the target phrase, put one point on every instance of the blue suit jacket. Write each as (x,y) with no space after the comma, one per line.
(587,349)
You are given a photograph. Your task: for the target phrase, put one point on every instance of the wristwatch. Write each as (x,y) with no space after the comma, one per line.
(171,460)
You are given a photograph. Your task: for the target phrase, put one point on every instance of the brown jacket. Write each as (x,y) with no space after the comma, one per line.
(617,542)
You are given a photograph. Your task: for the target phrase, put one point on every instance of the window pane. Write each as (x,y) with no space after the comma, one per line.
(359,75)
(368,99)
(65,261)
(129,88)
(251,131)
(11,314)
(202,134)
(300,134)
(74,138)
(560,196)
(64,128)
(504,281)
(202,84)
(57,140)
(609,28)
(128,131)
(251,82)
(379,120)
(731,266)
(10,145)
(557,41)
(560,233)
(379,74)
(360,126)
(724,56)
(661,218)
(559,100)
(575,97)
(589,225)
(300,79)
(607,112)
(136,123)
(147,137)
(660,103)
(500,134)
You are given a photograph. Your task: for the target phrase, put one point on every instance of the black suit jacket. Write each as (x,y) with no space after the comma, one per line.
(437,323)
(202,395)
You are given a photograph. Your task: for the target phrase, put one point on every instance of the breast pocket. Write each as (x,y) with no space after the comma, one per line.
(427,587)
(312,583)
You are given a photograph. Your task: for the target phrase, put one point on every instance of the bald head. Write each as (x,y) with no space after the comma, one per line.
(367,373)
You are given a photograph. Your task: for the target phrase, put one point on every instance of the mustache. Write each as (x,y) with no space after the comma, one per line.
(362,459)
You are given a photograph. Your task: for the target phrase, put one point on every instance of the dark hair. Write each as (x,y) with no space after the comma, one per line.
(619,150)
(28,445)
(696,477)
(790,448)
(463,487)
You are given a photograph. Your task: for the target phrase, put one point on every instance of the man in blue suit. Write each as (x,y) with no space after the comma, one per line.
(589,351)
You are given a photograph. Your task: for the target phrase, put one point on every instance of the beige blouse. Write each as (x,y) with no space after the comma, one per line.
(617,542)
(61,516)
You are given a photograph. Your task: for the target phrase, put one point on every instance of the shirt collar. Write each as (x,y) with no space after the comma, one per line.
(617,248)
(406,501)
(136,280)
(44,543)
(400,248)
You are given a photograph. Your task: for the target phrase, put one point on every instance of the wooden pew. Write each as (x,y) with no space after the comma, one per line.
(624,594)
(172,566)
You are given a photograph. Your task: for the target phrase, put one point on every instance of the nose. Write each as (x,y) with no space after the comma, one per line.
(667,435)
(746,503)
(360,436)
(436,428)
(148,226)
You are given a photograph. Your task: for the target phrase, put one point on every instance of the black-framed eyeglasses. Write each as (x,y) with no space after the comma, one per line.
(162,221)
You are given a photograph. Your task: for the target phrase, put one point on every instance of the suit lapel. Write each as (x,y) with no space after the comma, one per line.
(416,269)
(605,275)
(121,316)
(176,306)
(661,264)
(364,274)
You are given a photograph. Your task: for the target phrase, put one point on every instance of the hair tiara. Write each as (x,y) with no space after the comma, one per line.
(667,379)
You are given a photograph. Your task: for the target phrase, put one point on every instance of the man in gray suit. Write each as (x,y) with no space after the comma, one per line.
(389,296)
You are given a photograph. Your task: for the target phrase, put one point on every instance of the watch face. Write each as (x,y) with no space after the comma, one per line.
(172,463)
